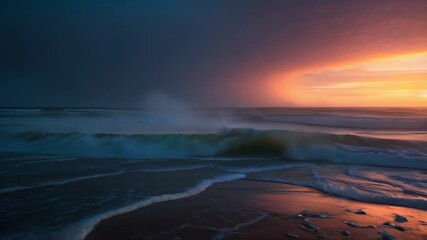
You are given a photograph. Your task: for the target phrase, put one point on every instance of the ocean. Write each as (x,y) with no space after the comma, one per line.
(63,170)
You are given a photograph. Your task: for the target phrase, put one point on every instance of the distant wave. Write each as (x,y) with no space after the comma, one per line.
(56,183)
(355,122)
(290,145)
(19,111)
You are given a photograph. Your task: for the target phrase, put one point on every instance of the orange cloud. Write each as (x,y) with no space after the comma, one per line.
(400,81)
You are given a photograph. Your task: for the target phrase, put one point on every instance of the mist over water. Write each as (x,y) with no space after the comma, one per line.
(88,164)
(169,115)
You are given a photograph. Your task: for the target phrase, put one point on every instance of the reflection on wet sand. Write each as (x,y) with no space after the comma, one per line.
(246,209)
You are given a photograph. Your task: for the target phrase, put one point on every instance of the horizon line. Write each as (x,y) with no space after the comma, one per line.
(195,107)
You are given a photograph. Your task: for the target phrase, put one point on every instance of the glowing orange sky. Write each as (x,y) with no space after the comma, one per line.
(370,54)
(399,81)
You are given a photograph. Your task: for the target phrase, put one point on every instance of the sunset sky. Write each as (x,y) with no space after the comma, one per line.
(215,53)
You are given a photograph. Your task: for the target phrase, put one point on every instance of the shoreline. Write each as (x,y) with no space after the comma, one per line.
(245,209)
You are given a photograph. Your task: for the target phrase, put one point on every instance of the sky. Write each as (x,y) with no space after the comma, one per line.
(95,53)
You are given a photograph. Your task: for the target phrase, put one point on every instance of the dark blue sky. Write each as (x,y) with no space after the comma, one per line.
(208,53)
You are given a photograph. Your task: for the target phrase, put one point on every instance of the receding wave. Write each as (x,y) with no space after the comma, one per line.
(368,184)
(81,229)
(289,145)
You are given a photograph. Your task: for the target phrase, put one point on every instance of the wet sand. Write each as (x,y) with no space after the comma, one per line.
(247,209)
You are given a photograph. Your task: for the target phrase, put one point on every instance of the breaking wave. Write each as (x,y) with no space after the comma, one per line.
(289,145)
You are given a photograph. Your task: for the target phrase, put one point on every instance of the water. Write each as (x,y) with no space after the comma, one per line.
(64,170)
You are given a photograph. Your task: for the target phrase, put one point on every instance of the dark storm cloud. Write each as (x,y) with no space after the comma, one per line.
(113,53)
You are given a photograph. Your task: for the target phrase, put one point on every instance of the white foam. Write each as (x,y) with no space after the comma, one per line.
(264,168)
(43,161)
(225,232)
(79,230)
(413,185)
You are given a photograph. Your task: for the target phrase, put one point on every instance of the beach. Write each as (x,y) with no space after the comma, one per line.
(248,209)
(68,174)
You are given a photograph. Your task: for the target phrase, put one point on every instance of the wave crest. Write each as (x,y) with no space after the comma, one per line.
(290,145)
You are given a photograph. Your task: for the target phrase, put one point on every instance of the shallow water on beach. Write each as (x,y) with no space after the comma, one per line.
(250,209)
(64,170)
